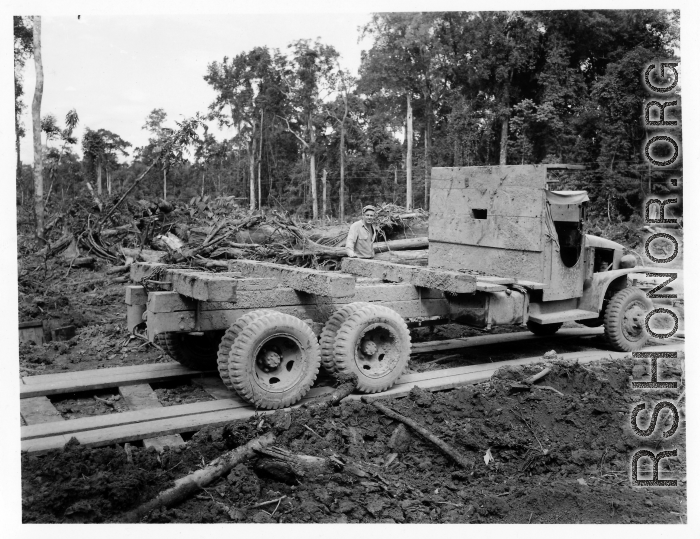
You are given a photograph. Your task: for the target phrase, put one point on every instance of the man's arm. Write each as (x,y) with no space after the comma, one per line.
(350,242)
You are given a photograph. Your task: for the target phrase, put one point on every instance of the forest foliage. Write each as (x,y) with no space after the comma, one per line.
(484,88)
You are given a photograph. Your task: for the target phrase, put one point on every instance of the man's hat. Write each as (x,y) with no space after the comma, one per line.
(369,207)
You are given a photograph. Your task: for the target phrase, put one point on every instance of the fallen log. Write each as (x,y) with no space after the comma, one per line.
(425,433)
(188,485)
(348,383)
(83,262)
(290,467)
(535,377)
(419,257)
(118,269)
(56,247)
(401,245)
(144,255)
(286,465)
(405,247)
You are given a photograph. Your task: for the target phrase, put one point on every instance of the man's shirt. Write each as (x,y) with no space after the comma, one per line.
(360,240)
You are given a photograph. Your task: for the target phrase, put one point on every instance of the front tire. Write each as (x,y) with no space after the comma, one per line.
(374,344)
(624,320)
(274,360)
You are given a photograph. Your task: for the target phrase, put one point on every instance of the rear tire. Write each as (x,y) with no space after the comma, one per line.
(227,342)
(624,320)
(330,330)
(193,352)
(274,360)
(374,344)
(543,330)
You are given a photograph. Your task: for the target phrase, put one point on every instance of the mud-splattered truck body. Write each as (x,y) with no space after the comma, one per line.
(503,249)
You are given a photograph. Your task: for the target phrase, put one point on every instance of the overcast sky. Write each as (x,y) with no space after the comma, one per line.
(115,69)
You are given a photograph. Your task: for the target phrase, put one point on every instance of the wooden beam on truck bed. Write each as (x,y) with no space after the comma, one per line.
(320,283)
(207,286)
(196,284)
(203,286)
(426,277)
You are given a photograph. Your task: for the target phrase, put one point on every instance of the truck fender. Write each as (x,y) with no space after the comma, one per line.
(595,288)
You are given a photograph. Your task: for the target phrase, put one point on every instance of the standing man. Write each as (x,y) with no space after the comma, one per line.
(362,235)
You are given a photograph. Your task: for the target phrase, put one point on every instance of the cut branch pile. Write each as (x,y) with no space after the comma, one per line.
(204,231)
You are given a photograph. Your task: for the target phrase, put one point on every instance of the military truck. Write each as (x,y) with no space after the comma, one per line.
(503,249)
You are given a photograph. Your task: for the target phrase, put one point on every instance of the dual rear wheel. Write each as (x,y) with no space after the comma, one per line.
(370,341)
(271,359)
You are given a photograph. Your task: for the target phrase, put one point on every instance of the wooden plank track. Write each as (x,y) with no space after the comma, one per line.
(499,338)
(73,382)
(142,397)
(163,421)
(213,386)
(99,379)
(38,410)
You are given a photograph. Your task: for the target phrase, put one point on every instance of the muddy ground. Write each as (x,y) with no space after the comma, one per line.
(559,455)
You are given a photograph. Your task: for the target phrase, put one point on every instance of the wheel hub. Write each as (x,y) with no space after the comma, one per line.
(278,363)
(633,321)
(269,360)
(368,347)
(377,351)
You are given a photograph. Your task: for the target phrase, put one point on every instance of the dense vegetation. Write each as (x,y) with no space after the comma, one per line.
(469,88)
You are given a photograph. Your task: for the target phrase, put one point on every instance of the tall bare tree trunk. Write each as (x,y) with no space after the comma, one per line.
(428,152)
(99,177)
(324,183)
(504,141)
(409,153)
(504,124)
(165,183)
(342,159)
(262,117)
(36,130)
(341,188)
(312,170)
(17,145)
(109,181)
(251,167)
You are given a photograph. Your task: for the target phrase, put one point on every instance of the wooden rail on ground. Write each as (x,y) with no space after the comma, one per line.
(148,423)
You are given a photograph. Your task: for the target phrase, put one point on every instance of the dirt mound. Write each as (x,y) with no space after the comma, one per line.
(542,455)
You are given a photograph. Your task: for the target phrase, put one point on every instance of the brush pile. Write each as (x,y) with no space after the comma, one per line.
(205,231)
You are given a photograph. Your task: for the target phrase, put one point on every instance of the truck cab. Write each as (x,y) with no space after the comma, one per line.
(507,221)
